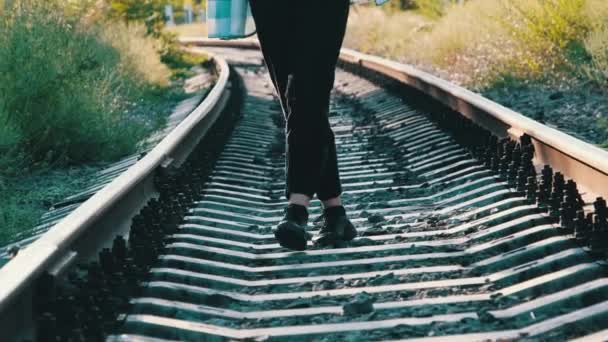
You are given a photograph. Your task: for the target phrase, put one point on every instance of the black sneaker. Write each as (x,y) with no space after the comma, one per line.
(336,228)
(291,231)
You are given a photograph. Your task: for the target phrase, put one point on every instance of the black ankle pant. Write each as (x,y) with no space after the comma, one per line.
(301,42)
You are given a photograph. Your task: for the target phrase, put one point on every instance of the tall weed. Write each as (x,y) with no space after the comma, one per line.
(139,57)
(461,31)
(596,43)
(66,89)
(372,30)
(483,41)
(597,46)
(543,30)
(432,8)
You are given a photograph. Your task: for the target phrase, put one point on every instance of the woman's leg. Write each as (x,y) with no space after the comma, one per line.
(301,43)
(276,31)
(321,27)
(312,161)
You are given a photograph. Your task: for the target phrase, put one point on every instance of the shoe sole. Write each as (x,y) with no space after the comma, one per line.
(291,236)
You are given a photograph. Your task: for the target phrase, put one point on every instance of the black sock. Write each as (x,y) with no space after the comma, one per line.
(335,211)
(297,212)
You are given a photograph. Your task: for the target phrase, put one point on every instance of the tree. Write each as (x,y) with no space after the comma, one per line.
(150,12)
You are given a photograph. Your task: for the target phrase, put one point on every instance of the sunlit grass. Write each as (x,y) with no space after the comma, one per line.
(482,41)
(68,90)
(73,93)
(596,43)
(189,30)
(372,30)
(139,55)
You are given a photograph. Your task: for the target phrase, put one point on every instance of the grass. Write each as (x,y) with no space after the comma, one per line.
(174,56)
(431,8)
(67,90)
(180,60)
(25,198)
(596,44)
(189,30)
(75,94)
(139,54)
(372,30)
(481,41)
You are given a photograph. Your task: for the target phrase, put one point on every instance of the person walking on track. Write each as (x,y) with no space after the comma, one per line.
(301,42)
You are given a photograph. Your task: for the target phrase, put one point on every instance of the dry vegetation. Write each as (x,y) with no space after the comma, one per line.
(138,53)
(547,59)
(479,42)
(188,30)
(77,87)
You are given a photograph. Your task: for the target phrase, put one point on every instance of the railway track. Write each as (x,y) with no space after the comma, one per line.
(464,234)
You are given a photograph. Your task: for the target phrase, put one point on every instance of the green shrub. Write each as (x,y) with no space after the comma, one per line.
(13,160)
(432,8)
(542,22)
(75,87)
(66,91)
(148,12)
(174,56)
(543,30)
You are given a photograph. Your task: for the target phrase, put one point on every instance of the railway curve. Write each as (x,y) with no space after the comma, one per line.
(475,224)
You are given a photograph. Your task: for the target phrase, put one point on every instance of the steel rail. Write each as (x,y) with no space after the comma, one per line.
(75,237)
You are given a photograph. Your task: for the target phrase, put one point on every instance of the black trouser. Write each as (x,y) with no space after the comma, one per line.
(301,42)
